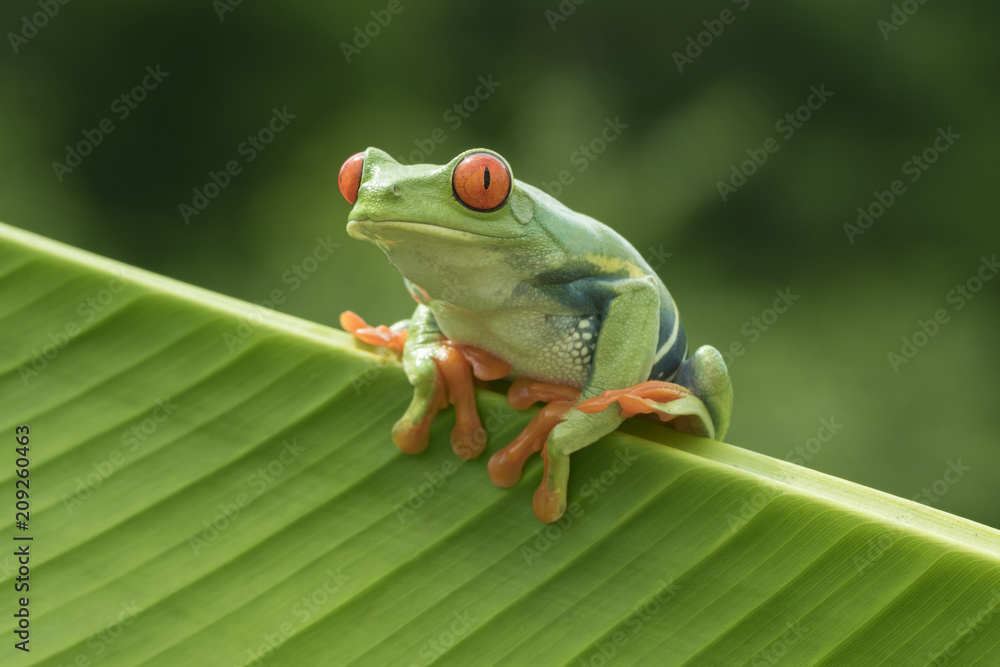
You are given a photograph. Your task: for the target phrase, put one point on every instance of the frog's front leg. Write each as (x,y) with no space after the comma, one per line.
(441,373)
(626,347)
(412,432)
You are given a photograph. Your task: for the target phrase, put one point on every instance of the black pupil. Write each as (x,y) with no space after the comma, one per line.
(486,178)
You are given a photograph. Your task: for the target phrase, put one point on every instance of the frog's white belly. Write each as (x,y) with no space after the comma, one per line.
(549,348)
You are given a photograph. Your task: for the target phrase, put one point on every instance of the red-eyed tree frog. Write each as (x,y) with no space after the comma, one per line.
(512,284)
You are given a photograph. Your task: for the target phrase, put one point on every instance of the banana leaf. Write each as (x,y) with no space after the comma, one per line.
(213,483)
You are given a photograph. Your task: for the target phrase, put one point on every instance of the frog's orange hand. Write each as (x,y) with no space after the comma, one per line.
(456,365)
(380,336)
(506,465)
(441,373)
(644,398)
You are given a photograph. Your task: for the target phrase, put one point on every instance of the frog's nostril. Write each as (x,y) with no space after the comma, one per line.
(396,190)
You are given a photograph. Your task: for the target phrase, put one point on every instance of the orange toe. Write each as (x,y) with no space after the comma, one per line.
(468,438)
(643,398)
(602,402)
(351,321)
(380,336)
(525,392)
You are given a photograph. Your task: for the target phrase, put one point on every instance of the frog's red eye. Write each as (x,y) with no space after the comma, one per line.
(349,179)
(481,181)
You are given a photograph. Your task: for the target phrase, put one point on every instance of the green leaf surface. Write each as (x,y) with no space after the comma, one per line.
(213,483)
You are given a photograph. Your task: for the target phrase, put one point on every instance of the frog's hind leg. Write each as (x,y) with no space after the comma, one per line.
(506,465)
(700,401)
(555,431)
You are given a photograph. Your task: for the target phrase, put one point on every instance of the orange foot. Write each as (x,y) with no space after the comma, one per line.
(643,398)
(380,336)
(506,465)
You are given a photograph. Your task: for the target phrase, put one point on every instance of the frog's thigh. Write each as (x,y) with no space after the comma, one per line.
(626,346)
(626,342)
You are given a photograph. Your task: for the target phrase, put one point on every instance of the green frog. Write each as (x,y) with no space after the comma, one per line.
(510,283)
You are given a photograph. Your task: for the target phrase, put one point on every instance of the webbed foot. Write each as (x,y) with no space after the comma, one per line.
(671,402)
(700,403)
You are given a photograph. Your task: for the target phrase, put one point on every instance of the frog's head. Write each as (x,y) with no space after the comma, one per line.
(434,219)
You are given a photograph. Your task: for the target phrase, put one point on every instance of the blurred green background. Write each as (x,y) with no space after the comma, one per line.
(560,71)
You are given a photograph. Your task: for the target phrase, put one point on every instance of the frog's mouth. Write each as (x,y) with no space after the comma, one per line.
(396,231)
